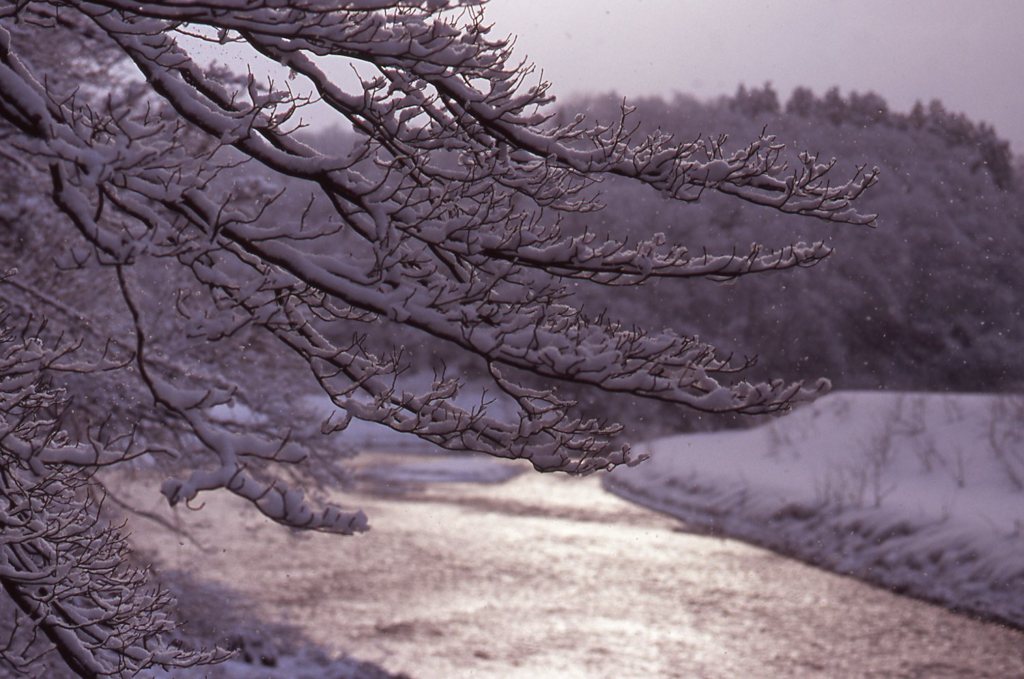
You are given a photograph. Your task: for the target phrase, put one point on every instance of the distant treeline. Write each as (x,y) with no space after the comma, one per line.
(869,109)
(855,109)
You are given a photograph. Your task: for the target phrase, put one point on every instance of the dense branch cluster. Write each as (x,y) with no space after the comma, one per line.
(66,569)
(444,217)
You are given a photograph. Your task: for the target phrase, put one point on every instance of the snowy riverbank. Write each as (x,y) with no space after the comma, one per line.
(922,493)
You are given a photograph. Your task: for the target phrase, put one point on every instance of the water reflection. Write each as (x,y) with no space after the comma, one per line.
(551,576)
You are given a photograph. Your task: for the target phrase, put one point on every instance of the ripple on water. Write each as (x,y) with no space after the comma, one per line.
(551,576)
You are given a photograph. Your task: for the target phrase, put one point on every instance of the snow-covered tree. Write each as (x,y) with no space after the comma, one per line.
(176,190)
(444,219)
(64,568)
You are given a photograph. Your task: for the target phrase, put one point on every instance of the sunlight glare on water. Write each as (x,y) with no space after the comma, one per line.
(548,576)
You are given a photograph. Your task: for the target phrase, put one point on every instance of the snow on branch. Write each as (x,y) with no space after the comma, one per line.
(64,566)
(444,217)
(234,452)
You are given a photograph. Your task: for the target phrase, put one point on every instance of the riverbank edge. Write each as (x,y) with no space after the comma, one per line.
(810,539)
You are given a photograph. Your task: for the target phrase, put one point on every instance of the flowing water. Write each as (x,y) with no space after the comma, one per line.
(549,576)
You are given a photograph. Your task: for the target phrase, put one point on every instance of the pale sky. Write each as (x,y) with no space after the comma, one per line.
(968,54)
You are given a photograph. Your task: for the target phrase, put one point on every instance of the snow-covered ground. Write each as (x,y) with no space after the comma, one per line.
(923,493)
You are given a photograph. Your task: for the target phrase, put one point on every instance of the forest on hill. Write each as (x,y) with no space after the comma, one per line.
(928,300)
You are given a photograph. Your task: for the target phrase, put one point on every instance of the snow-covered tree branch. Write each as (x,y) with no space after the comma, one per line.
(204,220)
(442,216)
(66,569)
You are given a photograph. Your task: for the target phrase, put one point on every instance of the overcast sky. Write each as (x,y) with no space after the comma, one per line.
(968,54)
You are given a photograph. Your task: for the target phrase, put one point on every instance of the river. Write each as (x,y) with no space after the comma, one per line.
(550,576)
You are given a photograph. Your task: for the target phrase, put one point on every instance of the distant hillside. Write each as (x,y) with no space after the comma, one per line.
(930,300)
